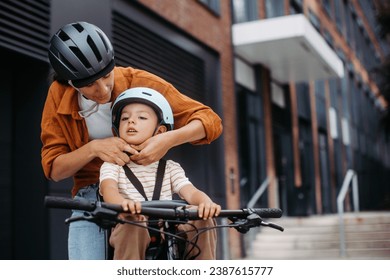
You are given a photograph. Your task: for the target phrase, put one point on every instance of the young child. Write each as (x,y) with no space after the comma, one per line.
(138,114)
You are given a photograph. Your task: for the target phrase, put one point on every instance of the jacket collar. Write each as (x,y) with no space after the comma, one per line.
(69,103)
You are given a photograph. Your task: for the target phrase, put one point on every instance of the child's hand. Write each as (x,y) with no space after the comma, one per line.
(134,207)
(208,210)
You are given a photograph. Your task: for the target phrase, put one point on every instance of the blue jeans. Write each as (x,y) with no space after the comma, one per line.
(86,240)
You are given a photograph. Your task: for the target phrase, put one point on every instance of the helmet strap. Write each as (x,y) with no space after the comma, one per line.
(71,84)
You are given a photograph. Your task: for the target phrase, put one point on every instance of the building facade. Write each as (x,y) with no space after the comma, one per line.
(292,81)
(310,66)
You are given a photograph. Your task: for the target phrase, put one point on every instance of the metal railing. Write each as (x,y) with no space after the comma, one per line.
(258,193)
(256,196)
(349,176)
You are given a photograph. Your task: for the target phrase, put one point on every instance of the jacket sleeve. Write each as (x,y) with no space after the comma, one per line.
(54,133)
(186,109)
(52,136)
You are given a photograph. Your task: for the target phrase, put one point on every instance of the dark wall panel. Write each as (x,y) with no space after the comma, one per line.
(24,27)
(23,229)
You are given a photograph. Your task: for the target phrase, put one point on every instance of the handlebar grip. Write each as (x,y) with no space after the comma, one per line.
(268,212)
(69,203)
(192,214)
(169,213)
(170,204)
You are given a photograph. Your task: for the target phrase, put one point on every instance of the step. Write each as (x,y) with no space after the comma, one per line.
(324,245)
(335,228)
(326,236)
(372,254)
(367,236)
(333,219)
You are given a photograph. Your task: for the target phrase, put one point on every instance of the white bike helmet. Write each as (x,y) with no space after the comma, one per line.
(146,96)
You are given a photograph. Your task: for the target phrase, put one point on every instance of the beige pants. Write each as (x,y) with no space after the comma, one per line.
(130,242)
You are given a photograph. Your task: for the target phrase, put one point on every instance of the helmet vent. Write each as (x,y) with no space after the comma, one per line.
(94,48)
(81,57)
(66,62)
(104,42)
(63,36)
(78,27)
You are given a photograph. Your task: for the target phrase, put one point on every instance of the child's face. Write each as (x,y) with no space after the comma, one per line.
(138,122)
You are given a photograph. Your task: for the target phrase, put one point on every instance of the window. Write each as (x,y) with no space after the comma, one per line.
(328,38)
(244,10)
(251,135)
(303,99)
(213,5)
(296,6)
(339,16)
(348,15)
(314,20)
(333,123)
(345,131)
(320,104)
(327,7)
(274,8)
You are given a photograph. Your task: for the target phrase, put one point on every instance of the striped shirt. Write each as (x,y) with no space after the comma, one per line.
(174,179)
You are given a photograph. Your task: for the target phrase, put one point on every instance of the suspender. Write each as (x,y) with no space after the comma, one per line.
(159,179)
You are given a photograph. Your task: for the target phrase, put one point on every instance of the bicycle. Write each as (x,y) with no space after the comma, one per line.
(164,216)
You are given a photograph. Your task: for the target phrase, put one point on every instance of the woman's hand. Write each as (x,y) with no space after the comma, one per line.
(156,147)
(113,149)
(151,150)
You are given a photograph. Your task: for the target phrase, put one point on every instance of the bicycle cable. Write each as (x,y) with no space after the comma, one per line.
(176,236)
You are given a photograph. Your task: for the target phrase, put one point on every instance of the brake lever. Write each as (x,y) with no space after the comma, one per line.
(244,225)
(252,220)
(77,218)
(272,225)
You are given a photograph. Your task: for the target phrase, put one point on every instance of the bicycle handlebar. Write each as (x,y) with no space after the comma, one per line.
(165,209)
(172,212)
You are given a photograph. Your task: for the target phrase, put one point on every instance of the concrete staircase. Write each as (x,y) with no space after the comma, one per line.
(367,236)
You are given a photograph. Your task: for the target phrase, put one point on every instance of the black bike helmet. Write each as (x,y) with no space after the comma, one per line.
(82,53)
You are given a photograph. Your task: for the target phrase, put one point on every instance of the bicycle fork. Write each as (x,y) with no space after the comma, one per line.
(173,249)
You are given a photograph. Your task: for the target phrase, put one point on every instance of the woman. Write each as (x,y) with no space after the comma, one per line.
(76,122)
